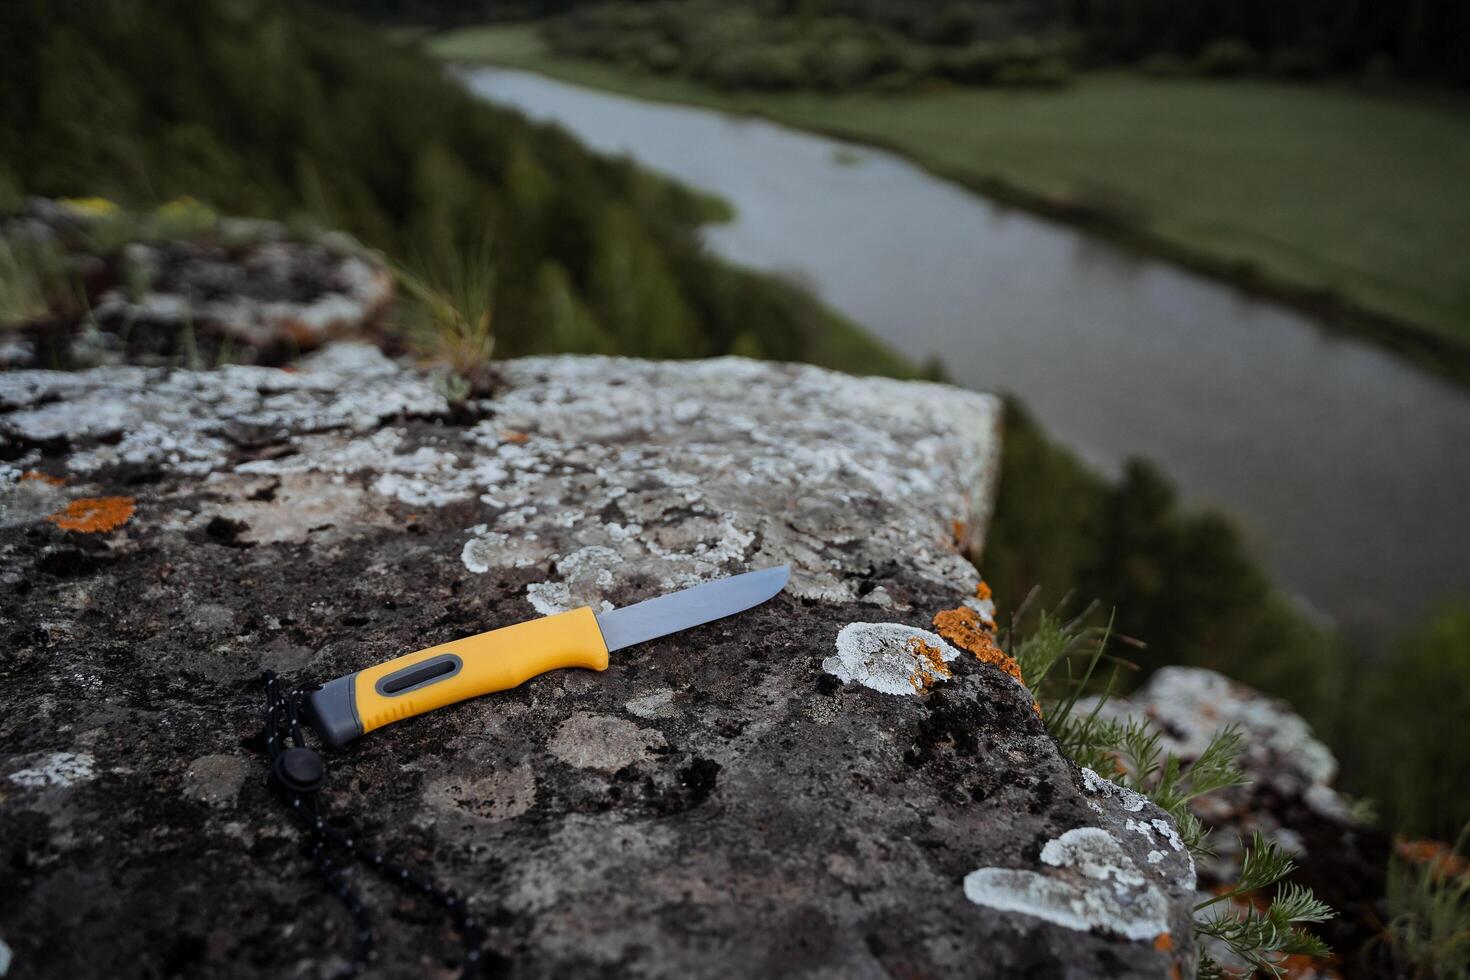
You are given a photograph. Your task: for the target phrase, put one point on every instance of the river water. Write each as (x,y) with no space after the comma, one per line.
(1348,469)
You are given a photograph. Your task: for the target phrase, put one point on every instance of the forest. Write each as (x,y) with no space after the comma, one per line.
(268,109)
(1421,39)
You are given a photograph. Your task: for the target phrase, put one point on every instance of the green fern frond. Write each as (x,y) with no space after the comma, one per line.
(1264,864)
(1296,903)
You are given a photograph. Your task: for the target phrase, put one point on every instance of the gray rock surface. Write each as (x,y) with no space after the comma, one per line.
(234,290)
(817,788)
(1290,799)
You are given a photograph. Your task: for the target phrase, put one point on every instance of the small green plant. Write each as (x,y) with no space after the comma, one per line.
(33,280)
(1130,752)
(136,270)
(1260,936)
(453,323)
(1429,911)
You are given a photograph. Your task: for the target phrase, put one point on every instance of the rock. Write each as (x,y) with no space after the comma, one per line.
(239,290)
(277,292)
(820,787)
(1290,798)
(216,779)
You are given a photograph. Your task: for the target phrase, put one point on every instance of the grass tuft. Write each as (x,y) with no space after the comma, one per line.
(1429,911)
(451,322)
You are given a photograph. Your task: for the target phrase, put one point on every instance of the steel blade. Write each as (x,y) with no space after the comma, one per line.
(690,607)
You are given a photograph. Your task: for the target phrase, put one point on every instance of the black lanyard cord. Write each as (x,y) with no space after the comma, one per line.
(297,773)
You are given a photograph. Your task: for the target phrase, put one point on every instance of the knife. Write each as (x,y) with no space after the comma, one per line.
(498,660)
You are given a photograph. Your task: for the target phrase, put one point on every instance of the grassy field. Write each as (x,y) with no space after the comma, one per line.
(1352,202)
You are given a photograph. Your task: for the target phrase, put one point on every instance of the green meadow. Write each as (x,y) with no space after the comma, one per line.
(1347,195)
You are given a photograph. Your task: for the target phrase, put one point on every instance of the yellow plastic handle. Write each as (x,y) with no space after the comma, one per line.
(427,679)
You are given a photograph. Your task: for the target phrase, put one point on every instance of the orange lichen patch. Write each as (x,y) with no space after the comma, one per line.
(93,515)
(931,664)
(982,591)
(1442,859)
(512,435)
(959,529)
(965,629)
(46,478)
(1163,942)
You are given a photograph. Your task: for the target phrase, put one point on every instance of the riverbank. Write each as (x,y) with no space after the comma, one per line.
(1342,203)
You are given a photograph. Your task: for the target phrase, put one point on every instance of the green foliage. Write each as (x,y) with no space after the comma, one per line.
(270,109)
(1181,582)
(1053,641)
(1429,912)
(571,325)
(1130,752)
(1423,38)
(1405,745)
(1297,62)
(632,283)
(1226,57)
(183,218)
(34,280)
(1258,936)
(1165,64)
(454,310)
(730,46)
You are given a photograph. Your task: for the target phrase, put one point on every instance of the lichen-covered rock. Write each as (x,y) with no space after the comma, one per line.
(1280,756)
(234,289)
(783,793)
(1289,797)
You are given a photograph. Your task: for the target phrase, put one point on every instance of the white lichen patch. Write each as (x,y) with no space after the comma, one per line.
(658,703)
(1131,803)
(492,798)
(1189,705)
(188,422)
(303,506)
(889,657)
(1167,831)
(59,769)
(698,470)
(666,474)
(590,741)
(1090,883)
(425,476)
(1129,800)
(493,549)
(985,608)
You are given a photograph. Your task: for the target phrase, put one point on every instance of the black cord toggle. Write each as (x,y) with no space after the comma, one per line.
(298,771)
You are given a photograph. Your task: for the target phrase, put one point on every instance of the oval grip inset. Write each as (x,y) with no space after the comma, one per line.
(418,675)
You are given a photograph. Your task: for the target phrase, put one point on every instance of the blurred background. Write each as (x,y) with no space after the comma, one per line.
(1216,254)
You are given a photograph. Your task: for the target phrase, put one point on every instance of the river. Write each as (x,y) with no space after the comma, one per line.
(1348,468)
